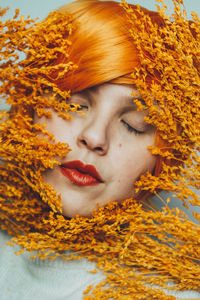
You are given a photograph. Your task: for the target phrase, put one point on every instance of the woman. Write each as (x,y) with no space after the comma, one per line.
(132,122)
(109,149)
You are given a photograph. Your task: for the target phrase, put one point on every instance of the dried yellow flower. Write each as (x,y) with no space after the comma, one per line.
(137,248)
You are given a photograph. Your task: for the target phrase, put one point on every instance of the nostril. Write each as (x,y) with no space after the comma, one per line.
(98,148)
(83,142)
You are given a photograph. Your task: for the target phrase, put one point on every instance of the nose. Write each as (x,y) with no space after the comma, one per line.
(94,136)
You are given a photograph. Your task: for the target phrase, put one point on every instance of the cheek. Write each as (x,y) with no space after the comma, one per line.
(64,131)
(134,160)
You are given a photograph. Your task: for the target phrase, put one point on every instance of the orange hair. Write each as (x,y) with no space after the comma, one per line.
(102,47)
(101,44)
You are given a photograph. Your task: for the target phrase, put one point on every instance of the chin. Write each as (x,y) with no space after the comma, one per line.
(73,212)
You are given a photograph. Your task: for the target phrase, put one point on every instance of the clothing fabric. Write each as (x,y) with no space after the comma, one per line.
(23,278)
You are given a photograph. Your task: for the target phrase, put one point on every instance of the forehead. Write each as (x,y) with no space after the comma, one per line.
(124,92)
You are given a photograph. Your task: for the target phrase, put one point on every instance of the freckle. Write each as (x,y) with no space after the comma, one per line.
(120,145)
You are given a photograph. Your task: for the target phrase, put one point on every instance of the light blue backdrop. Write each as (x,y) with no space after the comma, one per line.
(40,8)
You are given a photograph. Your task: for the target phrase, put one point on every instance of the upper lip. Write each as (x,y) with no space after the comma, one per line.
(83,168)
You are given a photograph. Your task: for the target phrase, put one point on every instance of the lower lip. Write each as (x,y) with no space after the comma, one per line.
(79,178)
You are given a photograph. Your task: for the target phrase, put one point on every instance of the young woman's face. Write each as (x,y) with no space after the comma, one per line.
(109,149)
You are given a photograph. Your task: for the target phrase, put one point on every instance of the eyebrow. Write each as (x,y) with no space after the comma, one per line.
(132,98)
(88,93)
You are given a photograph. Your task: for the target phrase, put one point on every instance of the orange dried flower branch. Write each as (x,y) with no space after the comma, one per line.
(135,247)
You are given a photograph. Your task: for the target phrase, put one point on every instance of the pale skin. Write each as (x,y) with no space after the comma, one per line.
(112,136)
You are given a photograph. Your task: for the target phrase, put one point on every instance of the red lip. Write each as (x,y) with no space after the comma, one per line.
(80,174)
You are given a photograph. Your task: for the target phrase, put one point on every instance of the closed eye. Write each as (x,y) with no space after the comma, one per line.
(82,107)
(79,107)
(131,129)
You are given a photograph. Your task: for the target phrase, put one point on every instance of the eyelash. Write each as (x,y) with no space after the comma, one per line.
(131,129)
(82,107)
